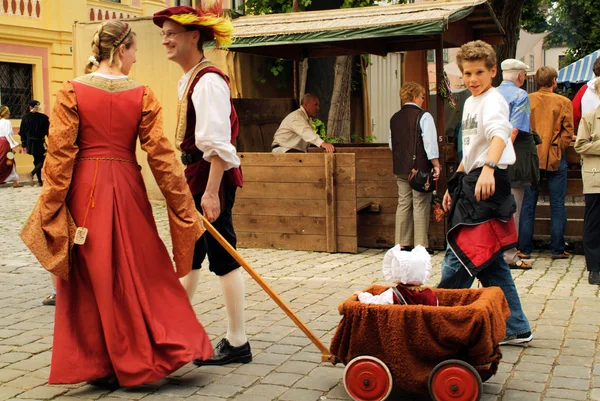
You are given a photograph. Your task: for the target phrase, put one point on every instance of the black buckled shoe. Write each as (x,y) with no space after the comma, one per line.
(225,353)
(107,383)
(594,278)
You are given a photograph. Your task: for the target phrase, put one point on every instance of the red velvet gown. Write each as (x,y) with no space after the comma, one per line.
(7,142)
(6,167)
(121,309)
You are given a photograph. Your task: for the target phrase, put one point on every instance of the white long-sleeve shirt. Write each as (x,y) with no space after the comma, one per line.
(211,98)
(295,132)
(590,99)
(485,117)
(6,131)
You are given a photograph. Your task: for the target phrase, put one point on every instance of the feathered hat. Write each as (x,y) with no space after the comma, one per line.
(207,18)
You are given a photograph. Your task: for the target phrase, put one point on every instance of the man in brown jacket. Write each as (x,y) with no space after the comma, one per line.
(552,119)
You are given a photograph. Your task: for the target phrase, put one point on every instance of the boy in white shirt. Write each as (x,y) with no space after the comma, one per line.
(479,200)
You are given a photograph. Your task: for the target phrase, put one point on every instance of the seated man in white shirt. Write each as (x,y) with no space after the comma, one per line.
(295,133)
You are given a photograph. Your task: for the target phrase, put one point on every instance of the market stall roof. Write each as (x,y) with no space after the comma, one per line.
(367,30)
(579,71)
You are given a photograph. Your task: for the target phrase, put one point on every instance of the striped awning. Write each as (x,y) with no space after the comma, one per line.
(579,71)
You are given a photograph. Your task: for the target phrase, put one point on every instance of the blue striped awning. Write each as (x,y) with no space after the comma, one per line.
(579,71)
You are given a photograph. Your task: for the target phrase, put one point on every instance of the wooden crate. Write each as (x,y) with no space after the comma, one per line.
(376,184)
(297,201)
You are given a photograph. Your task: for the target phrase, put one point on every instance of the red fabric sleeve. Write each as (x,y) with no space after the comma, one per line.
(577,106)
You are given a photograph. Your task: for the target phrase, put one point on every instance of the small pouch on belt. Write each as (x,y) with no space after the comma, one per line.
(81,232)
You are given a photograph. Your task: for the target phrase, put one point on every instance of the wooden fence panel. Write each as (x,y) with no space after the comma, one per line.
(376,184)
(297,201)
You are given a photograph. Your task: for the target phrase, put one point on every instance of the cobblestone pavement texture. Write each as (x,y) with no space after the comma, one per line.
(561,363)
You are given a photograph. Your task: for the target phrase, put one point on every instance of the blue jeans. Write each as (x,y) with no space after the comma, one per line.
(455,275)
(557,191)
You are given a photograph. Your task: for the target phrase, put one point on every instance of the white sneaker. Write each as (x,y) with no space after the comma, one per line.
(517,339)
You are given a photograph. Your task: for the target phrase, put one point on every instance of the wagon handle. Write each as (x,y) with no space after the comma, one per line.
(326,355)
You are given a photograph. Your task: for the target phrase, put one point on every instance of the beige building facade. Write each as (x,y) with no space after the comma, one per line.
(36,47)
(41,50)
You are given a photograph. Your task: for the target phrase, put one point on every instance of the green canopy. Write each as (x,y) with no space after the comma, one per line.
(374,30)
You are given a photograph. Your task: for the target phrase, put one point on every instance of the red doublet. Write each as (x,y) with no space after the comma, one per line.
(197,173)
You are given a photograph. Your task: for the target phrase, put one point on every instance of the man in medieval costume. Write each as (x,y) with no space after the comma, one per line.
(206,129)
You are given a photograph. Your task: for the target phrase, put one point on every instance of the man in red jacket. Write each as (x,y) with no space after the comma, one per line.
(587,98)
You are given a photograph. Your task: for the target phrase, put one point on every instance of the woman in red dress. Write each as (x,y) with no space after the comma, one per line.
(8,170)
(122,317)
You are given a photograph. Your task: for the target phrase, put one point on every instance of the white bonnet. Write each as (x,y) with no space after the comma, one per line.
(409,268)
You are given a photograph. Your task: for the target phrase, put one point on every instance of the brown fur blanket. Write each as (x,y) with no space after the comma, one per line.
(412,339)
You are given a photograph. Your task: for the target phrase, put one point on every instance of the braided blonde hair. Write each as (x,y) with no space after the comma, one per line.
(4,110)
(107,40)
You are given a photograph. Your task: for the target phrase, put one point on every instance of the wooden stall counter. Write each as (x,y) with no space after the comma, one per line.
(377,192)
(320,202)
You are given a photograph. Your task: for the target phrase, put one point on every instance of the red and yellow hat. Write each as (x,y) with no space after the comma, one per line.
(208,19)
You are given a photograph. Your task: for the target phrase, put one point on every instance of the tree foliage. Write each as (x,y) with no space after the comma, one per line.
(534,17)
(257,7)
(508,13)
(572,23)
(575,24)
(358,3)
(286,6)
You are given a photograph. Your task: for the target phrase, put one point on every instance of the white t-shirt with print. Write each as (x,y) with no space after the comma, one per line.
(484,117)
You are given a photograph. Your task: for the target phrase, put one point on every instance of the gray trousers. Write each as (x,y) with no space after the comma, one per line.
(511,255)
(412,215)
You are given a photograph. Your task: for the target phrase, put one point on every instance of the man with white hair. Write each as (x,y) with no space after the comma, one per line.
(525,171)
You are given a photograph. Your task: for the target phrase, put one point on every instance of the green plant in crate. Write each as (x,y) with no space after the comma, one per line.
(319,128)
(359,139)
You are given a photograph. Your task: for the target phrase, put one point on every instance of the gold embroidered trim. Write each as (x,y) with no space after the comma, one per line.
(107,84)
(116,159)
(183,103)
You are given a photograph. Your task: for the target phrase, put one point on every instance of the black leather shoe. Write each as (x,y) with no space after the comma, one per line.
(594,278)
(225,353)
(108,383)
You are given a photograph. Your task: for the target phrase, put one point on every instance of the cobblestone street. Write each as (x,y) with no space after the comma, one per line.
(561,363)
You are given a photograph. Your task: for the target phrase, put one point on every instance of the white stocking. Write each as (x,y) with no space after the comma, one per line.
(190,283)
(234,294)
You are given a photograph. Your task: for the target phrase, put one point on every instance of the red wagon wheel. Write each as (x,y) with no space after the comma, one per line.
(366,378)
(455,380)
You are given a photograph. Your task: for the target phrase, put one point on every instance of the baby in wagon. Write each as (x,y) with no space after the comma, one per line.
(410,271)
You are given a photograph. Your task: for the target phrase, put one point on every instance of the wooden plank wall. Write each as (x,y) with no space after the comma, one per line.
(288,201)
(376,183)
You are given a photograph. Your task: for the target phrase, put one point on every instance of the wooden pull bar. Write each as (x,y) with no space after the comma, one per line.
(327,357)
